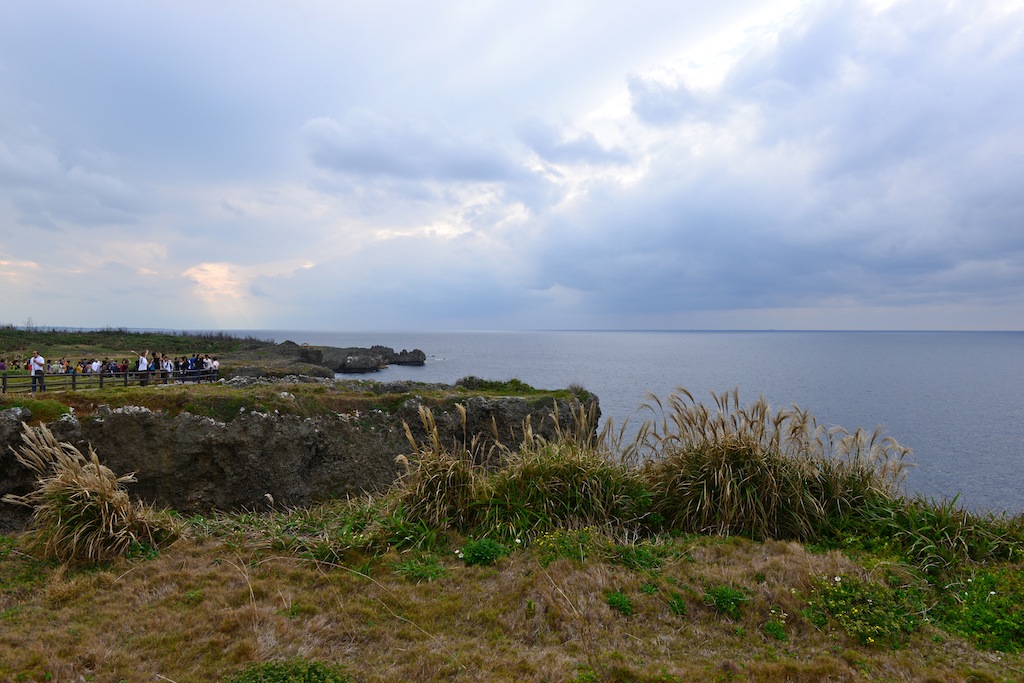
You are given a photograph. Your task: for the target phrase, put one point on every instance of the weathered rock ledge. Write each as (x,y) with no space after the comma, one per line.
(197,464)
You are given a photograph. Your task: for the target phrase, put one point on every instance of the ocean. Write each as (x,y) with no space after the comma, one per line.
(955,398)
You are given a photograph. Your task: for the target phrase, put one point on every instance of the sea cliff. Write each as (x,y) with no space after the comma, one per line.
(255,460)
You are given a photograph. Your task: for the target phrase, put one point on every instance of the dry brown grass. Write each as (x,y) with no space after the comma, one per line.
(206,608)
(81,510)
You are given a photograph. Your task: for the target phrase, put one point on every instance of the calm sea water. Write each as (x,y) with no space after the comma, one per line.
(955,398)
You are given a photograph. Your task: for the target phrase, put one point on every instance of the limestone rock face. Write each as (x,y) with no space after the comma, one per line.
(197,464)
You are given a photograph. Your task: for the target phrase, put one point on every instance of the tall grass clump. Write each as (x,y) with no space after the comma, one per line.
(745,470)
(440,484)
(939,536)
(569,481)
(81,510)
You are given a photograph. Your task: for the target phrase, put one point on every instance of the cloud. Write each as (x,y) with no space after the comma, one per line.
(364,143)
(659,103)
(858,155)
(555,147)
(510,167)
(47,191)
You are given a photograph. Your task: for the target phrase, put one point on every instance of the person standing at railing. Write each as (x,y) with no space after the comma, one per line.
(37,367)
(143,368)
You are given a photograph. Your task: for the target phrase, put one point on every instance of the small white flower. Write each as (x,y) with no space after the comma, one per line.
(838,579)
(991,592)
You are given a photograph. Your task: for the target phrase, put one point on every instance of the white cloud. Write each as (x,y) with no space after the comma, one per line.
(756,164)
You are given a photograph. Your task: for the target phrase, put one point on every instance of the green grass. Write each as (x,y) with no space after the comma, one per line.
(987,607)
(421,567)
(874,613)
(43,410)
(410,579)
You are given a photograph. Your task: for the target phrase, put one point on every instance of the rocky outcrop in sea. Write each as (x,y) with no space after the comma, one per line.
(357,360)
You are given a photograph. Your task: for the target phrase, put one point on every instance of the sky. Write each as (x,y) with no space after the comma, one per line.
(582,164)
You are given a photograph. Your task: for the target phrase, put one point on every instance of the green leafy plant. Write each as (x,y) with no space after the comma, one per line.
(482,551)
(873,613)
(988,609)
(574,545)
(677,605)
(776,630)
(775,626)
(291,671)
(423,567)
(726,600)
(620,602)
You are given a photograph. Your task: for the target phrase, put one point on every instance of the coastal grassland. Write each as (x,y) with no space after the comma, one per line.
(465,571)
(713,608)
(225,402)
(74,344)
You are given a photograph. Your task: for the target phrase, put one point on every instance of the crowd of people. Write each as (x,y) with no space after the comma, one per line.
(196,367)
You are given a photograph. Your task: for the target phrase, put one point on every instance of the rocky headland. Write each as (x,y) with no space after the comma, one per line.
(259,459)
(289,358)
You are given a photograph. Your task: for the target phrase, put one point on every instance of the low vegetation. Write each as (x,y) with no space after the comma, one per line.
(728,542)
(21,342)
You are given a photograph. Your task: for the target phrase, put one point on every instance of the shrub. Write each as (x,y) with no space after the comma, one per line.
(291,671)
(559,484)
(81,510)
(440,487)
(568,482)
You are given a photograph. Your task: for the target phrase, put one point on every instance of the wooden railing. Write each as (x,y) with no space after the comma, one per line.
(20,383)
